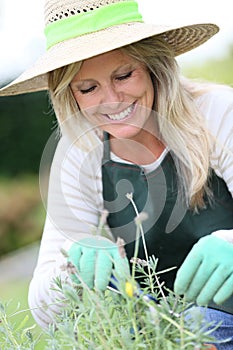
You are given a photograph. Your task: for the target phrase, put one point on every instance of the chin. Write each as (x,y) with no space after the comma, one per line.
(124,131)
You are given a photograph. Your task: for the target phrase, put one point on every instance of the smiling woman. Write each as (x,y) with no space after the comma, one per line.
(111,90)
(136,136)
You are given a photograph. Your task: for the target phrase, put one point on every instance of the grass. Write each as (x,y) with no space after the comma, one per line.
(13,295)
(16,291)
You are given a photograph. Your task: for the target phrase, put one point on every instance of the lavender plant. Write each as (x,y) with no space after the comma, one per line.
(15,336)
(126,317)
(123,317)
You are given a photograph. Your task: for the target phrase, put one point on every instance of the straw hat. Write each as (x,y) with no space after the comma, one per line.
(79,29)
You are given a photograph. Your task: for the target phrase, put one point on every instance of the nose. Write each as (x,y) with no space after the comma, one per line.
(112,96)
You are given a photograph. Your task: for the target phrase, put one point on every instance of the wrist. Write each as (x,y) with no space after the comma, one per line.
(226,235)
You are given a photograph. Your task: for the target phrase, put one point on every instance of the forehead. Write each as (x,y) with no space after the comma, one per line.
(104,63)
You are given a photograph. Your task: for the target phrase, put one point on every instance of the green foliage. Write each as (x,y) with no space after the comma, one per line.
(218,70)
(126,317)
(14,336)
(111,320)
(120,318)
(22,214)
(116,320)
(25,126)
(16,317)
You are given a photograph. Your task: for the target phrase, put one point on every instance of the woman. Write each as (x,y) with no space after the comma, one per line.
(134,133)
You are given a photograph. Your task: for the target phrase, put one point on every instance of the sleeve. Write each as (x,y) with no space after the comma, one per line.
(74,207)
(221,127)
(219,114)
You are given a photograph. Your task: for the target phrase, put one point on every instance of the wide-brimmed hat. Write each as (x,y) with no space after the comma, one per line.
(79,29)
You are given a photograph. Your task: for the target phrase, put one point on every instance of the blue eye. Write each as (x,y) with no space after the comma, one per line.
(86,91)
(125,76)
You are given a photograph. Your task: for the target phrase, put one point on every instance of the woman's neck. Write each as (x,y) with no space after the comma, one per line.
(143,150)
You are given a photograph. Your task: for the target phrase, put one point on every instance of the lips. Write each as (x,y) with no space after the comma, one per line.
(123,114)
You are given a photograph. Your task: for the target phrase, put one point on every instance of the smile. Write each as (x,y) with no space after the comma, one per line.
(122,115)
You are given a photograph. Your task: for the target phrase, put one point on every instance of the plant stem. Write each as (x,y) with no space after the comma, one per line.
(6,326)
(140,229)
(136,248)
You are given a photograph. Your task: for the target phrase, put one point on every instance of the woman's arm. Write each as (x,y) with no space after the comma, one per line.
(217,107)
(73,210)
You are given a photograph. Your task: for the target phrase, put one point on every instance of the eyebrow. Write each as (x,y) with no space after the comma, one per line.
(81,82)
(126,66)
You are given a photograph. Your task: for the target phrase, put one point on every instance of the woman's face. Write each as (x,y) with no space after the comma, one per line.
(115,93)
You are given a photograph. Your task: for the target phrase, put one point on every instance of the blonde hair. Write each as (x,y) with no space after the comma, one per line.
(181,126)
(70,119)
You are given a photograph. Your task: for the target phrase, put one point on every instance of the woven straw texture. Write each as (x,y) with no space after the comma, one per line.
(56,10)
(181,40)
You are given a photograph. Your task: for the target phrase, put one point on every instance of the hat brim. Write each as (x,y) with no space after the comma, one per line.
(181,39)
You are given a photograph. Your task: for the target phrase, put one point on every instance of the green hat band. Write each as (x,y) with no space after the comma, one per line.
(92,21)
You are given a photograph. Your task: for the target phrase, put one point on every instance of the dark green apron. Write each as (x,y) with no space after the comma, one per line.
(171,229)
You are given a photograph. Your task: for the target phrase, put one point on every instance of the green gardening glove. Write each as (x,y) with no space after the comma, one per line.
(207,272)
(95,260)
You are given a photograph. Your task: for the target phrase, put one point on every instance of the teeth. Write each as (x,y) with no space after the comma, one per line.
(121,115)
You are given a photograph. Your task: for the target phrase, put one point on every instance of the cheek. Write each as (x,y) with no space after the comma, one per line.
(149,89)
(142,87)
(89,110)
(84,102)
(79,99)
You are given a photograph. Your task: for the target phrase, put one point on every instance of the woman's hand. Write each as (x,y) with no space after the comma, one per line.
(95,261)
(207,272)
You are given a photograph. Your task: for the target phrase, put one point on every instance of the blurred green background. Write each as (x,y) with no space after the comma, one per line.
(26,123)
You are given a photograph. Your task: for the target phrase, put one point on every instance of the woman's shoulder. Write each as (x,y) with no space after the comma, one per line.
(67,148)
(215,95)
(216,103)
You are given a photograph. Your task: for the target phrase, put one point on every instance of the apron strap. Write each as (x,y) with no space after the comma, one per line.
(106,152)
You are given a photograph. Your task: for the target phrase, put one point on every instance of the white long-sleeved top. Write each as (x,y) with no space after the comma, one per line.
(75,200)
